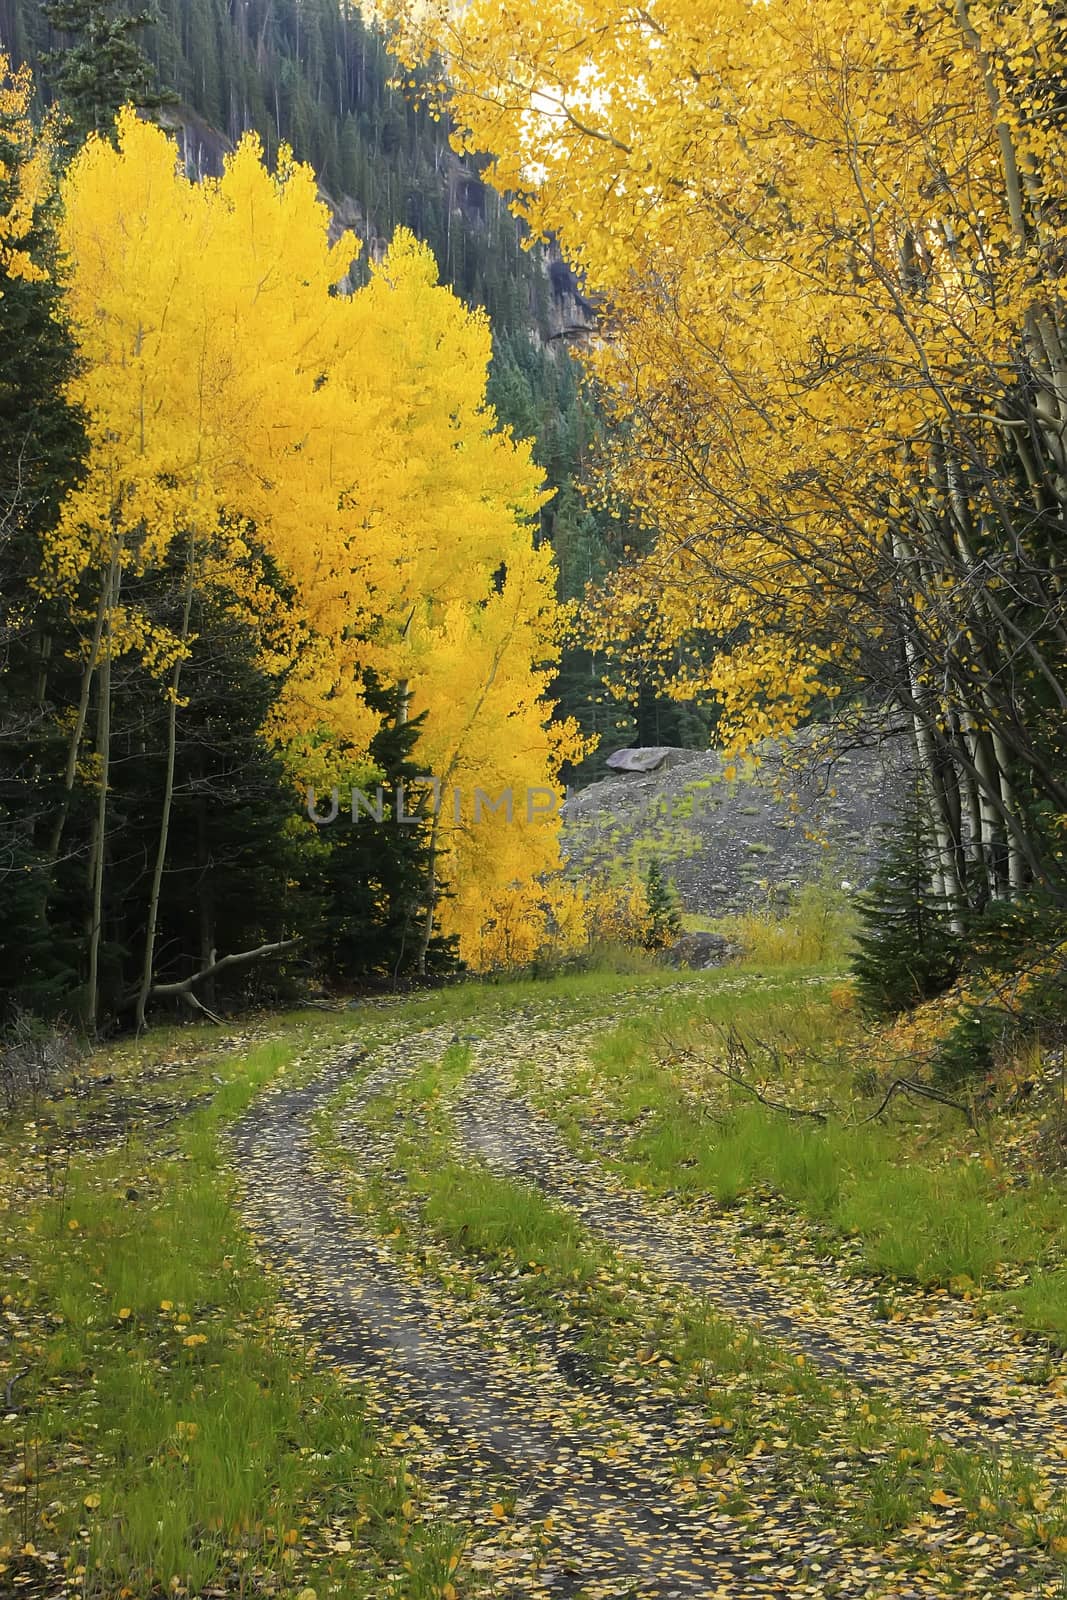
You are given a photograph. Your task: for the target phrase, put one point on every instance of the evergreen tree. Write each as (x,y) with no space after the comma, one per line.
(104,68)
(663,921)
(42,446)
(238,851)
(374,874)
(907,952)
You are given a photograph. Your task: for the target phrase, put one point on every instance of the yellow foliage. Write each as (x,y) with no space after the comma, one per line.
(818,233)
(240,407)
(558,920)
(25,178)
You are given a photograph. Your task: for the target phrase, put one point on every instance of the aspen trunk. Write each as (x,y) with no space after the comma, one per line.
(168,800)
(98,852)
(971,832)
(984,821)
(946,879)
(81,716)
(1016,865)
(431,901)
(205,901)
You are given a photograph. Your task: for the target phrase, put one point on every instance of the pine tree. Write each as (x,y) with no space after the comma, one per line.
(237,854)
(104,68)
(42,445)
(663,922)
(374,875)
(907,952)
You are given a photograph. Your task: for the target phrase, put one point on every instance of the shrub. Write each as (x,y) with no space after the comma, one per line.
(967,1050)
(33,1054)
(818,927)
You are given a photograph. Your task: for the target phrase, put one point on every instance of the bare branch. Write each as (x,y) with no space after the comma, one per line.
(911,1086)
(185,986)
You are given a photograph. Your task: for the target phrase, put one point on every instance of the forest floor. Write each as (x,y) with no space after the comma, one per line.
(524,1290)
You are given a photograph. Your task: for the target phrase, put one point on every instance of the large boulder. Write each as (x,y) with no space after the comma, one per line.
(651,758)
(701,950)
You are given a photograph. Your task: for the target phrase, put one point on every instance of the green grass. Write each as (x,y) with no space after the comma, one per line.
(171,1424)
(926,1199)
(929,1223)
(489,1217)
(791,1008)
(1042,1303)
(508,1238)
(589,986)
(172,1433)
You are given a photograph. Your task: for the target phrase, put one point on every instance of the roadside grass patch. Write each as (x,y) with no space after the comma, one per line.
(493,1240)
(495,995)
(925,1197)
(1040,1304)
(817,930)
(171,1432)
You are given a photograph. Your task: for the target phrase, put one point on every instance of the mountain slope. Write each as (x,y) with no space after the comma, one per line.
(312,74)
(736,843)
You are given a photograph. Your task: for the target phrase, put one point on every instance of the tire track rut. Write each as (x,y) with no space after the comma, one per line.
(482,1409)
(929,1363)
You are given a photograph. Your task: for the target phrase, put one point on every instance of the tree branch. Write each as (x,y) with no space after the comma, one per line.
(184,986)
(910,1086)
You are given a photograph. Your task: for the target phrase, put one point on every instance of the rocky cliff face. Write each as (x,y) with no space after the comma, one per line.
(733,844)
(203,148)
(571,314)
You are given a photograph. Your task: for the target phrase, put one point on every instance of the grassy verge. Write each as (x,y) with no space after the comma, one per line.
(925,1197)
(168,1432)
(496,1243)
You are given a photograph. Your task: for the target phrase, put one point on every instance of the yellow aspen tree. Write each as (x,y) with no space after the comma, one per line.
(467,615)
(181,433)
(25,183)
(828,244)
(238,403)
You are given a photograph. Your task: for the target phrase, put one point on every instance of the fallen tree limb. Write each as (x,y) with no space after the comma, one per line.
(198,1005)
(9,1387)
(182,988)
(786,1110)
(912,1086)
(737,1050)
(159,991)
